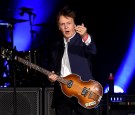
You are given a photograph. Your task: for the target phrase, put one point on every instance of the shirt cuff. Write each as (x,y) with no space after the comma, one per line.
(88,41)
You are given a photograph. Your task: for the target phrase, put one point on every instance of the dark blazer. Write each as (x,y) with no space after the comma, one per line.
(79,58)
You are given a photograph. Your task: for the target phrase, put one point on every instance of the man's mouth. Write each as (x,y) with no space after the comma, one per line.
(67,32)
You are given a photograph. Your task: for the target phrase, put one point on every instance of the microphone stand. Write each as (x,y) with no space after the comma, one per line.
(31,19)
(31,29)
(13,71)
(14,65)
(31,14)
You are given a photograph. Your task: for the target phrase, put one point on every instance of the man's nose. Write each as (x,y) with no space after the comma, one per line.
(66,25)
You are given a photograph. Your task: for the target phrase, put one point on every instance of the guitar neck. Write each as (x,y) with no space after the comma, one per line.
(34,66)
(38,68)
(5,53)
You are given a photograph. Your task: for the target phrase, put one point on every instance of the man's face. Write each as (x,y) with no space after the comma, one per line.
(67,26)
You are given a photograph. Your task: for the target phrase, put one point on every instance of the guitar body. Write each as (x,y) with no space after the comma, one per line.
(88,93)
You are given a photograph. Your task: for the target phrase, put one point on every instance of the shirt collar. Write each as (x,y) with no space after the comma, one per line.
(68,38)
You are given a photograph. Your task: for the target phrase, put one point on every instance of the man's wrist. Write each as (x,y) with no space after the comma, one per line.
(85,37)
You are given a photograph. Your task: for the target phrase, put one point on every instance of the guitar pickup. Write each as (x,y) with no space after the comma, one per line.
(69,84)
(85,91)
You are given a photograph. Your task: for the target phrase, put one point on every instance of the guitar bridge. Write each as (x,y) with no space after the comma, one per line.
(85,91)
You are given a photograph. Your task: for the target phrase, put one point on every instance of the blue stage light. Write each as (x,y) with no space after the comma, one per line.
(127,68)
(42,10)
(117,89)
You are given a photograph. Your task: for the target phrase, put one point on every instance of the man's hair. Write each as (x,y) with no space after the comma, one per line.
(67,12)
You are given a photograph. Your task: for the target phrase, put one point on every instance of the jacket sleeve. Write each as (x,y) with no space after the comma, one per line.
(91,48)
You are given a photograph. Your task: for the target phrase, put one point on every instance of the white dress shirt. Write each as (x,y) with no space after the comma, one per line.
(65,65)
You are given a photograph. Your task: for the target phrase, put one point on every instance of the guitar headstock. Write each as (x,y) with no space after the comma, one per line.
(6,53)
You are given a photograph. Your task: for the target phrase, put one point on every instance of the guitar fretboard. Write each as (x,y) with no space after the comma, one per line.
(40,69)
(34,66)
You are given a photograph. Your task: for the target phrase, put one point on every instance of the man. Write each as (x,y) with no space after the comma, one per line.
(71,55)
